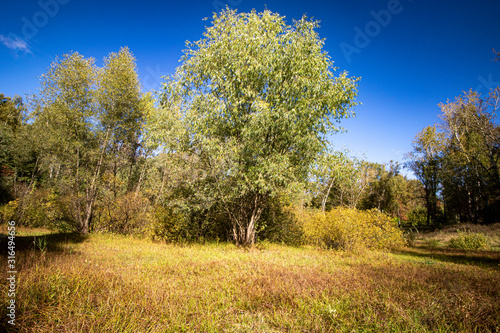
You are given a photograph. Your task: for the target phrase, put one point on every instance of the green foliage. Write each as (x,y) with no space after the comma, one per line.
(469,241)
(350,229)
(426,162)
(391,192)
(471,177)
(460,164)
(168,225)
(86,125)
(174,225)
(248,111)
(38,209)
(279,225)
(340,179)
(12,146)
(417,216)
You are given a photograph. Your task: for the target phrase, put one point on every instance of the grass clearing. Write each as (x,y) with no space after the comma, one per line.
(442,237)
(107,283)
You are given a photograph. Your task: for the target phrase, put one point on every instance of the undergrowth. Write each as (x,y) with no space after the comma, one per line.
(113,283)
(468,241)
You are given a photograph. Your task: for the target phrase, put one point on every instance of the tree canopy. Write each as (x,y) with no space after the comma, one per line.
(250,108)
(87,122)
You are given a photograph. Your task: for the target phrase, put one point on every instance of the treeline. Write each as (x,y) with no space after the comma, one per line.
(458,161)
(232,148)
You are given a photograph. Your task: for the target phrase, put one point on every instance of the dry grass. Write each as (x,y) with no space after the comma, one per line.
(442,237)
(107,283)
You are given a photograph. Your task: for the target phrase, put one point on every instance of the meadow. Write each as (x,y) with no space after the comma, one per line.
(112,283)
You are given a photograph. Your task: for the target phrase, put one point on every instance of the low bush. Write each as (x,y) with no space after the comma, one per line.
(409,235)
(417,216)
(8,210)
(350,229)
(37,208)
(468,241)
(130,213)
(278,224)
(169,225)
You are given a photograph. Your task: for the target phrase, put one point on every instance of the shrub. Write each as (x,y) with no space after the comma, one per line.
(468,241)
(409,235)
(417,216)
(350,229)
(8,210)
(36,208)
(130,213)
(40,209)
(169,225)
(174,224)
(278,224)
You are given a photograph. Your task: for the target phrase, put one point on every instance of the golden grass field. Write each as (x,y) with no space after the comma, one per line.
(110,283)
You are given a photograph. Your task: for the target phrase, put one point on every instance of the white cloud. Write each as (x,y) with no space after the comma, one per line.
(16,44)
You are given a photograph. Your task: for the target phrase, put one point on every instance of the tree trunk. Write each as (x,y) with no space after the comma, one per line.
(243,223)
(91,194)
(325,197)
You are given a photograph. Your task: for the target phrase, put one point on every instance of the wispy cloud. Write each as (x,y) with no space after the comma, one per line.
(15,44)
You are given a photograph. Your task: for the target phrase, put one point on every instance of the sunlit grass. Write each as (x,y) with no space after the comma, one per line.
(442,237)
(24,231)
(107,283)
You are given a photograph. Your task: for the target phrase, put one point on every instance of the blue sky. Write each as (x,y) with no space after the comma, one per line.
(410,54)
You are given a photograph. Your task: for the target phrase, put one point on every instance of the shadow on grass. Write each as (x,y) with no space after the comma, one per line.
(471,257)
(50,242)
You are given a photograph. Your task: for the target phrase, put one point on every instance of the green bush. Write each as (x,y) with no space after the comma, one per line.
(278,224)
(350,229)
(169,225)
(417,216)
(468,241)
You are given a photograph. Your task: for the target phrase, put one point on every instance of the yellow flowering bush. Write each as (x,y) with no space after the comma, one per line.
(349,229)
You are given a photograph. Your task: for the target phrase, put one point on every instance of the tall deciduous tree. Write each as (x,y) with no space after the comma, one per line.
(426,161)
(87,121)
(254,99)
(473,154)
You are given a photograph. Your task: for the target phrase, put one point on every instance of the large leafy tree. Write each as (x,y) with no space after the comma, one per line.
(473,155)
(463,160)
(249,110)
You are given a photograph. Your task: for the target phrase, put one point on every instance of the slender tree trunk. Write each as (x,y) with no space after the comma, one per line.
(139,182)
(325,197)
(92,191)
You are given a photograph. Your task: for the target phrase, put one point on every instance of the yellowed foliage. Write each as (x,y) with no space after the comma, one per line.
(350,229)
